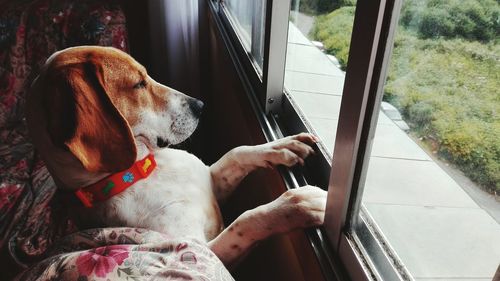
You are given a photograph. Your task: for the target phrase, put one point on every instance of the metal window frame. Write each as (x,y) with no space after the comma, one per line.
(268,81)
(348,246)
(361,66)
(348,224)
(247,62)
(275,46)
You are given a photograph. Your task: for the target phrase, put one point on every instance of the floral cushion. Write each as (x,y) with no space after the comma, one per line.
(32,216)
(128,254)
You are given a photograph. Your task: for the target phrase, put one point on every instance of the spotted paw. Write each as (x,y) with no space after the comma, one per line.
(289,151)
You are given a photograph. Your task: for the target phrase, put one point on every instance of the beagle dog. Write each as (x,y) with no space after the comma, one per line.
(103,128)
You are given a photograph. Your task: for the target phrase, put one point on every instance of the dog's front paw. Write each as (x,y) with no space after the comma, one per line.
(289,151)
(296,208)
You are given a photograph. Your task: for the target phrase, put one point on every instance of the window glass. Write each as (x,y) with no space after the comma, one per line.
(433,179)
(318,45)
(248,18)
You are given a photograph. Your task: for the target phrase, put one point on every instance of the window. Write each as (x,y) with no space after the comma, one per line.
(435,222)
(314,75)
(247,17)
(402,97)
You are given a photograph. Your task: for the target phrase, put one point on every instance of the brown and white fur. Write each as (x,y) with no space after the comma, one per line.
(94,111)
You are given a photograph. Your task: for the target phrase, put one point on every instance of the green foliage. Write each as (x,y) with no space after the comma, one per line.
(471,19)
(473,145)
(316,7)
(342,3)
(448,90)
(421,113)
(447,87)
(334,30)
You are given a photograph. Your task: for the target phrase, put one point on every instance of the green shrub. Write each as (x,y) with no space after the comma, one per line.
(435,23)
(446,87)
(343,3)
(471,19)
(474,146)
(334,30)
(421,114)
(447,90)
(315,7)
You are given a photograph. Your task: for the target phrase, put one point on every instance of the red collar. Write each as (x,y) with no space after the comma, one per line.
(116,183)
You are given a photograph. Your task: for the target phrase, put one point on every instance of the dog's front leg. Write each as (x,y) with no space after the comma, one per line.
(296,208)
(228,172)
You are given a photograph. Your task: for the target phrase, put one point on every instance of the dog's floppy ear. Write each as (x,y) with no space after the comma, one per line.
(82,117)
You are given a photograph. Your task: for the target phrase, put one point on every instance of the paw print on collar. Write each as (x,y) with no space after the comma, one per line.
(128,177)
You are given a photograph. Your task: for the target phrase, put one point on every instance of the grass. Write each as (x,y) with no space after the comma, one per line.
(447,89)
(334,30)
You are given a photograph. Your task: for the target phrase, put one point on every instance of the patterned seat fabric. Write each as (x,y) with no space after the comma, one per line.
(31,218)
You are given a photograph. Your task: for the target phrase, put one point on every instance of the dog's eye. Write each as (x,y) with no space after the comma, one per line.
(140,85)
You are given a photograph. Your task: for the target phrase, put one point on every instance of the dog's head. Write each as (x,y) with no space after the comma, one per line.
(99,102)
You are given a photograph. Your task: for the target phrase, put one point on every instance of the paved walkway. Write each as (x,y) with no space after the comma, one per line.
(437,230)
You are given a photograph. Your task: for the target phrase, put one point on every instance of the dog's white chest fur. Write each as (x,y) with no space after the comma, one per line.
(176,199)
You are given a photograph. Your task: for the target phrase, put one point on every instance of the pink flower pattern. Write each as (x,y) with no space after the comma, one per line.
(101,260)
(32,217)
(148,255)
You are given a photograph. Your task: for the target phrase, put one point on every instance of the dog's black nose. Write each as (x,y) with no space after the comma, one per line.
(196,106)
(161,142)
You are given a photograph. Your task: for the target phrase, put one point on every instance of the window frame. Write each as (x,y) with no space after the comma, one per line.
(348,246)
(245,60)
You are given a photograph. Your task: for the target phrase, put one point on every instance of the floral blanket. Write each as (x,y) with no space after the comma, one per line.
(128,254)
(34,223)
